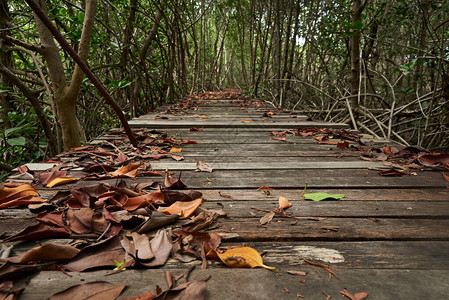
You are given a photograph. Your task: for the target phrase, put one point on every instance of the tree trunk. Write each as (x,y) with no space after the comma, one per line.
(356,13)
(5,59)
(66,95)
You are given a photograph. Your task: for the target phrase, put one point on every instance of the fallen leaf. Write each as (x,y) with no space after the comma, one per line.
(211,241)
(267,218)
(446,176)
(121,158)
(357,296)
(161,246)
(92,290)
(10,191)
(246,121)
(26,200)
(46,177)
(173,183)
(434,159)
(299,273)
(177,157)
(392,172)
(130,170)
(188,142)
(38,232)
(224,195)
(241,257)
(7,291)
(202,220)
(322,196)
(45,253)
(97,255)
(174,149)
(156,220)
(283,203)
(185,209)
(9,271)
(343,144)
(265,188)
(60,180)
(201,166)
(282,139)
(196,129)
(142,245)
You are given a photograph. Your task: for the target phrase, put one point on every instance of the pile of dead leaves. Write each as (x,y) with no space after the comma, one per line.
(400,159)
(116,227)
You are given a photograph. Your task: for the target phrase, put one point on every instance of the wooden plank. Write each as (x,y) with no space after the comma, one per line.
(297,165)
(208,123)
(348,208)
(226,283)
(296,180)
(347,229)
(425,255)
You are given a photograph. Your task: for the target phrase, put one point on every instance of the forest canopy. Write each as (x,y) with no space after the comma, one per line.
(380,66)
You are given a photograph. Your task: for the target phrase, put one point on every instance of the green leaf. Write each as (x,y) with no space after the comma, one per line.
(322,196)
(119,265)
(19,141)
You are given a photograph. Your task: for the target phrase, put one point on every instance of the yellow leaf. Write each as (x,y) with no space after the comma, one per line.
(60,180)
(174,149)
(242,257)
(283,203)
(130,170)
(245,121)
(13,191)
(184,208)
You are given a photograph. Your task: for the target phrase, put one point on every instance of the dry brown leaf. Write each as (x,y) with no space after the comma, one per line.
(177,157)
(185,209)
(130,170)
(91,290)
(201,166)
(283,203)
(60,180)
(98,255)
(8,292)
(241,257)
(161,246)
(299,273)
(264,188)
(45,253)
(142,245)
(11,191)
(224,195)
(357,296)
(267,218)
(445,176)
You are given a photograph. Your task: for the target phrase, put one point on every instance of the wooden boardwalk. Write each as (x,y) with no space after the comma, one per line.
(388,237)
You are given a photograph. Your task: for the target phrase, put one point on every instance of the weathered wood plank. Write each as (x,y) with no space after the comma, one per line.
(297,165)
(348,229)
(222,180)
(208,123)
(348,208)
(226,283)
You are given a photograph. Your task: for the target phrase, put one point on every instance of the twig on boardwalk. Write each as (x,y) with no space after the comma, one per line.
(325,267)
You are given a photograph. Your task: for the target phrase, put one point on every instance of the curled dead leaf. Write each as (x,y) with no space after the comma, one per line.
(130,170)
(267,218)
(60,180)
(185,209)
(283,203)
(241,257)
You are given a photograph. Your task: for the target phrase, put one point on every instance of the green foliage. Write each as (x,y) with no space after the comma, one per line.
(23,142)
